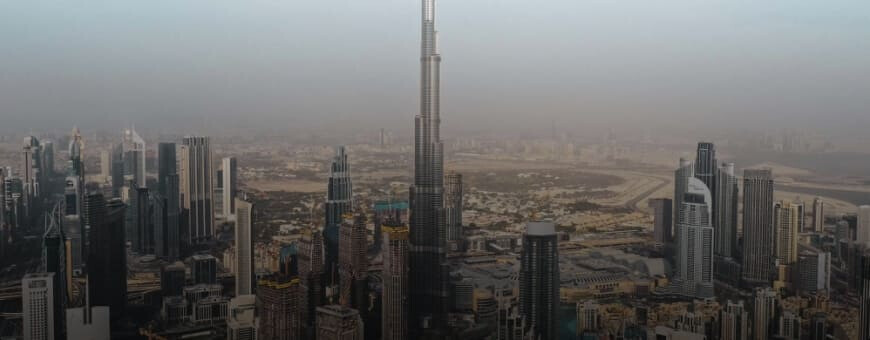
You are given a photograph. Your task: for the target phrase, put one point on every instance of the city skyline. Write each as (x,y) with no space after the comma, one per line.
(627,232)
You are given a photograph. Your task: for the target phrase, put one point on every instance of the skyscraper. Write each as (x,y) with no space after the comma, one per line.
(735,322)
(758,229)
(47,158)
(863,232)
(818,215)
(539,279)
(38,309)
(765,310)
(230,186)
(32,178)
(339,201)
(706,167)
(453,208)
(695,245)
(395,280)
(117,170)
(787,218)
(864,321)
(244,247)
(197,190)
(54,252)
(107,261)
(725,212)
(814,272)
(76,154)
(428,236)
(352,261)
(134,157)
(168,190)
(663,220)
(311,272)
(336,322)
(282,302)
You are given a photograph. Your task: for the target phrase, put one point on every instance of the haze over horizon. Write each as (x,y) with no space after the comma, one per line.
(508,64)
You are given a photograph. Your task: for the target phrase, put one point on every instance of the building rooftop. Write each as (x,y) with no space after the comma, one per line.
(541,229)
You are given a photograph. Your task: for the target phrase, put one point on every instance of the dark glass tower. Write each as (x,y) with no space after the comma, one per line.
(339,201)
(168,193)
(758,230)
(428,235)
(539,279)
(706,167)
(107,262)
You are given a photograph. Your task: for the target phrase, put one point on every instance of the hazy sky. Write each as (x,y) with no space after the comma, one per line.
(506,63)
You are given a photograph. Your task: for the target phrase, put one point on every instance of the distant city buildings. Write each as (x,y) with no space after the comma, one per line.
(735,321)
(107,261)
(539,279)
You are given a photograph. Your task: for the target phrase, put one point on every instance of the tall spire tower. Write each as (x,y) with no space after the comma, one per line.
(428,236)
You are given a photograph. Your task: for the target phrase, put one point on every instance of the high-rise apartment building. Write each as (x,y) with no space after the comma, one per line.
(47,147)
(695,242)
(818,215)
(735,321)
(453,207)
(814,272)
(310,258)
(766,301)
(539,279)
(339,201)
(758,230)
(281,308)
(352,262)
(336,322)
(787,217)
(394,300)
(197,190)
(38,306)
(725,212)
(244,247)
(230,186)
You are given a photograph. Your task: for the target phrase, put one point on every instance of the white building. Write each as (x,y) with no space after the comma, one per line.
(242,324)
(37,296)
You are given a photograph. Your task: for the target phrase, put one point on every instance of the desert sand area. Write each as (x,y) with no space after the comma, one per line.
(833,207)
(289,185)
